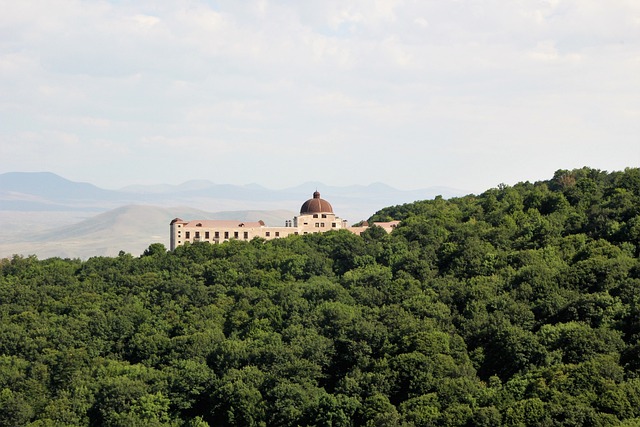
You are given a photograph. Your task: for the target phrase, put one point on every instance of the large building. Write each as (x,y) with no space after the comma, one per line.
(316,216)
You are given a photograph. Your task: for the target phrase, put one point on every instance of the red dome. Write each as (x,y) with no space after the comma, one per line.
(316,205)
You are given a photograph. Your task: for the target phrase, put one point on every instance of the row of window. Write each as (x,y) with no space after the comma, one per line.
(216,235)
(236,234)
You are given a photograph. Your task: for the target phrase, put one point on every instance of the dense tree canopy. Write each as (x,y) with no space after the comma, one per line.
(517,307)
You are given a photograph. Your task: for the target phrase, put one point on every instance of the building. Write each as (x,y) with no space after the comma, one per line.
(316,216)
(388,226)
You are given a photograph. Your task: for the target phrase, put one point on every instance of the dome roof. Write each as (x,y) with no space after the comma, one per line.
(316,205)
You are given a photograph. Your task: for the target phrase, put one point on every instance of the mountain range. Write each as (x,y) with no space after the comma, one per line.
(48,215)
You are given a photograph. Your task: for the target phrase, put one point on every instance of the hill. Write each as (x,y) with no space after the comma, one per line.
(50,186)
(515,307)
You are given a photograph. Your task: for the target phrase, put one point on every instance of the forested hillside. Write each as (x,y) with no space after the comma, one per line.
(516,307)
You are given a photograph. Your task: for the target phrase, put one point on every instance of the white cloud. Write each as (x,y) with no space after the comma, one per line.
(145,22)
(462,86)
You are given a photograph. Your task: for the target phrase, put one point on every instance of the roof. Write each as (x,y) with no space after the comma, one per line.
(222,223)
(388,226)
(316,205)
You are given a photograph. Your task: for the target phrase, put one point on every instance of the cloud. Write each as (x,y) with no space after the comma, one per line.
(453,88)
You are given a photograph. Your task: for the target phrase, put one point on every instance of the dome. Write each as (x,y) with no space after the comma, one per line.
(316,205)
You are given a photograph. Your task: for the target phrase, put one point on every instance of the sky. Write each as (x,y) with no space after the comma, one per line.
(465,94)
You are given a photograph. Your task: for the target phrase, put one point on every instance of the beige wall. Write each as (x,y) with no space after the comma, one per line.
(216,231)
(318,223)
(386,226)
(220,231)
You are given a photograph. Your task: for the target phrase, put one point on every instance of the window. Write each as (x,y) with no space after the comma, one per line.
(322,224)
(235,234)
(206,234)
(333,224)
(187,234)
(246,234)
(216,234)
(315,215)
(268,234)
(306,223)
(317,224)
(226,234)
(197,234)
(278,234)
(324,215)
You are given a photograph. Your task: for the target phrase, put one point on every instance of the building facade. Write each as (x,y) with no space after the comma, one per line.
(316,216)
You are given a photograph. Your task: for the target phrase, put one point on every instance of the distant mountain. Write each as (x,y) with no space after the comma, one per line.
(353,203)
(193,185)
(51,187)
(30,191)
(201,188)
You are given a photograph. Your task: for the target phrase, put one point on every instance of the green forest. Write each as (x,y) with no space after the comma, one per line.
(519,306)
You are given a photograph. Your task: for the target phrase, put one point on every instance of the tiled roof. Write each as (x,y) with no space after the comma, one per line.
(221,223)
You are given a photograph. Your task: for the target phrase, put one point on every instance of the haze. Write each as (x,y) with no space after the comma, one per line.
(410,93)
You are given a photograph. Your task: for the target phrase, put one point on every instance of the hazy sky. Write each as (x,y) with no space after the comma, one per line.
(465,94)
